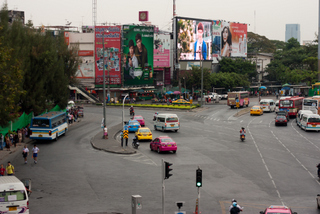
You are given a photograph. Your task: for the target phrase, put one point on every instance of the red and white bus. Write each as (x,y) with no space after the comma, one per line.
(291,104)
(243,97)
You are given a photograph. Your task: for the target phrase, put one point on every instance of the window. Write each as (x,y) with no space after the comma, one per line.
(44,123)
(8,196)
(314,120)
(172,119)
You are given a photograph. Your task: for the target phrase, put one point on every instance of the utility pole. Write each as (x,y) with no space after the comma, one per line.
(109,64)
(201,62)
(318,44)
(104,83)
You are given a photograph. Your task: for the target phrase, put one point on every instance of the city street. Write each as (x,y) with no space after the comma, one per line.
(273,166)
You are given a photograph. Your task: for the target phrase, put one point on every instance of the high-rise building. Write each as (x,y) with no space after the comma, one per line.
(292,30)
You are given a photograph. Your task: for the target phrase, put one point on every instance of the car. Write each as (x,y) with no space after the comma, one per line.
(163,143)
(256,110)
(285,113)
(180,101)
(281,120)
(144,133)
(277,209)
(140,119)
(132,126)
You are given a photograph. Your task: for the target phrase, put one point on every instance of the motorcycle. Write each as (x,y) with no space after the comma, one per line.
(242,137)
(131,112)
(135,143)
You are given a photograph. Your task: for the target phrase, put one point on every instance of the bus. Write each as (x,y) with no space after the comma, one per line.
(243,97)
(49,126)
(291,104)
(312,104)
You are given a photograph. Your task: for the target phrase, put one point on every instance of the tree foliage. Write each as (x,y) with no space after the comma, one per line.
(47,65)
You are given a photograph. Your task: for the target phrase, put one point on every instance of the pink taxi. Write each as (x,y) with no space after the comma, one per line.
(163,143)
(140,119)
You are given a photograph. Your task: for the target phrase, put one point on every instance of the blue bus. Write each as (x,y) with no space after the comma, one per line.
(49,126)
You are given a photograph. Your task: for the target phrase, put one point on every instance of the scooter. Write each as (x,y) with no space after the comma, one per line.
(135,143)
(242,137)
(132,112)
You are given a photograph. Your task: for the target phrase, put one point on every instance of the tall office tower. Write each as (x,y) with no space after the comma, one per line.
(292,30)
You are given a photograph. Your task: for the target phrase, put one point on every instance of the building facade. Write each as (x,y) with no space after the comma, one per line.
(292,31)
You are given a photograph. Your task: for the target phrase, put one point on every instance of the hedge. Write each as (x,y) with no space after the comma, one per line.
(175,106)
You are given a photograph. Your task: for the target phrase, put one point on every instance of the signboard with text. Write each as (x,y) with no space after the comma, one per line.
(161,50)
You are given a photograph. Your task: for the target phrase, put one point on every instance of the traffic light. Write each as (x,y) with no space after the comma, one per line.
(199,178)
(167,170)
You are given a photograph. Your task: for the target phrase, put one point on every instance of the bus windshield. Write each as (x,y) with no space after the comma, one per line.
(286,103)
(40,123)
(308,102)
(314,120)
(232,95)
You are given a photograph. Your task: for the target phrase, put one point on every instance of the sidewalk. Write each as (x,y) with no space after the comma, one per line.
(6,155)
(111,144)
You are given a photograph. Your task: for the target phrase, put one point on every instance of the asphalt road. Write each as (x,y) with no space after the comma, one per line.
(275,165)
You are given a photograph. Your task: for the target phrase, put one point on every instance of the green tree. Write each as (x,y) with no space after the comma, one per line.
(239,66)
(259,44)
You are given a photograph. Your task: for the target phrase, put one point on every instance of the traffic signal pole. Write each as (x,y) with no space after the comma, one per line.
(163,187)
(199,184)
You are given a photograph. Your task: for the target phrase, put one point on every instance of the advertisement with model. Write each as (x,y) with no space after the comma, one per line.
(233,39)
(194,39)
(111,35)
(137,59)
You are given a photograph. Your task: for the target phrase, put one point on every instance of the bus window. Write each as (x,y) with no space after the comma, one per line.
(286,103)
(40,123)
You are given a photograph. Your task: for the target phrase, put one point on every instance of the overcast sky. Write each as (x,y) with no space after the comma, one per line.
(270,20)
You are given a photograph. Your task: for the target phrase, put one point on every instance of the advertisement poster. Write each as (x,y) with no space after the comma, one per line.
(111,57)
(233,39)
(194,38)
(161,50)
(85,70)
(216,38)
(137,55)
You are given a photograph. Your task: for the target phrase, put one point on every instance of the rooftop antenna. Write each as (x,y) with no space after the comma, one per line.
(94,12)
(254,21)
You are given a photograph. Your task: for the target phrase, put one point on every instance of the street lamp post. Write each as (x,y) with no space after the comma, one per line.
(201,77)
(123,108)
(108,76)
(104,84)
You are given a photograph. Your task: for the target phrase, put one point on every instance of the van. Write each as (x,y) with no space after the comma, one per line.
(13,195)
(167,122)
(310,122)
(300,114)
(268,105)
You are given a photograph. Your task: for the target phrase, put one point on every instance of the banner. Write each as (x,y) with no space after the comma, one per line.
(111,57)
(85,53)
(137,57)
(85,70)
(233,39)
(161,50)
(194,38)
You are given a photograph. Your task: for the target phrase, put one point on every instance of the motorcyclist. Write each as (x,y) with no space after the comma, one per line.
(134,140)
(131,110)
(318,170)
(242,132)
(154,116)
(236,210)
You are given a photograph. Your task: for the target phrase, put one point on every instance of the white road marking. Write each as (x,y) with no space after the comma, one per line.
(264,163)
(241,121)
(304,137)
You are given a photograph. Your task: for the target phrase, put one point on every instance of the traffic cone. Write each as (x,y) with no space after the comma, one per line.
(196,211)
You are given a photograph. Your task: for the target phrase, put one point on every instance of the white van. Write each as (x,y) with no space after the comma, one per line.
(268,105)
(300,114)
(310,122)
(167,122)
(13,196)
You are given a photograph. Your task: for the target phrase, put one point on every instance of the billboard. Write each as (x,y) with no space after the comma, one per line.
(194,38)
(111,57)
(161,50)
(137,59)
(85,70)
(216,38)
(233,39)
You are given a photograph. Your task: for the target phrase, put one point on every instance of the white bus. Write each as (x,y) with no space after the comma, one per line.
(312,104)
(167,122)
(49,126)
(310,122)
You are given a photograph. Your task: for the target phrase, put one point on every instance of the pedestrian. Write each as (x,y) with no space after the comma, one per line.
(35,152)
(2,170)
(19,136)
(10,169)
(69,117)
(105,132)
(8,142)
(15,138)
(1,141)
(25,153)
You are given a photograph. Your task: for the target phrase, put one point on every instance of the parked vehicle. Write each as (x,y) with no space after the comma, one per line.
(268,105)
(167,122)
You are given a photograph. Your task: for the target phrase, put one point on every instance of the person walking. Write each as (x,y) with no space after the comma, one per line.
(8,142)
(35,152)
(10,169)
(2,170)
(105,132)
(25,153)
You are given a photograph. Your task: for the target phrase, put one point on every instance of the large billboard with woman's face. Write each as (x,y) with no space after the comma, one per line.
(110,56)
(194,38)
(137,59)
(233,39)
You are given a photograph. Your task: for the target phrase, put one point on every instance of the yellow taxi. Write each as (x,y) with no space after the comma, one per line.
(180,101)
(144,133)
(256,110)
